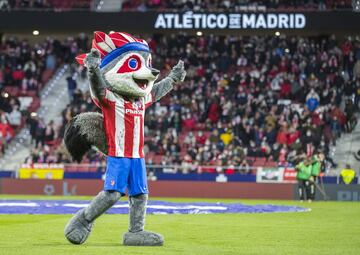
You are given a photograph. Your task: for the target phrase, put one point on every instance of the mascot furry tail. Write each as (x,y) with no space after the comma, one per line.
(83,132)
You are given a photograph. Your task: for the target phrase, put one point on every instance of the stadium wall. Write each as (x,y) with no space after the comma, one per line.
(157,188)
(192,189)
(154,22)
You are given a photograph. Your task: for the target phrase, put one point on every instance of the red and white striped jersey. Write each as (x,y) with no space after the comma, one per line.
(124,124)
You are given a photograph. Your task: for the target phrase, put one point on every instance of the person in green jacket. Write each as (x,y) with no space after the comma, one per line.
(303,176)
(317,161)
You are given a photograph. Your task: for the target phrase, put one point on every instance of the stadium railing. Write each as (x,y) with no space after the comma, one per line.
(279,174)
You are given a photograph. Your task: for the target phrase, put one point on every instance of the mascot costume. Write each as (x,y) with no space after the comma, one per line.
(122,86)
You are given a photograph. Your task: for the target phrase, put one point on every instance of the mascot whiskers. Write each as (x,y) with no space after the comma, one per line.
(122,85)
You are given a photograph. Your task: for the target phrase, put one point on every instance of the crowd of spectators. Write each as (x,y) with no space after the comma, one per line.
(56,5)
(253,97)
(24,69)
(47,139)
(238,5)
(246,98)
(184,5)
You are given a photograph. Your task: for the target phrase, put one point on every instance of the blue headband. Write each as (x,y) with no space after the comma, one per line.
(133,46)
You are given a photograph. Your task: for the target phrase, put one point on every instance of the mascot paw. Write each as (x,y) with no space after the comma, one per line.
(93,59)
(78,228)
(143,238)
(178,72)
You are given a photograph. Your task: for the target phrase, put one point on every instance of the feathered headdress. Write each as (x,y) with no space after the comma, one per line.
(113,45)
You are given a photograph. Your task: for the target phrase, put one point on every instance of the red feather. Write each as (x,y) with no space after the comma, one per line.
(81,58)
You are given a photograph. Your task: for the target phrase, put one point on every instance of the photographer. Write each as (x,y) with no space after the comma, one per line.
(303,176)
(317,161)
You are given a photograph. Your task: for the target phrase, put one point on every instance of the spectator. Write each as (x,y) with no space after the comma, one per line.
(14,117)
(350,116)
(235,5)
(72,85)
(50,62)
(40,133)
(312,100)
(49,133)
(303,176)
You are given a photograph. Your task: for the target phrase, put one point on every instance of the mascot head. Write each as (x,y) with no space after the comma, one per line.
(125,63)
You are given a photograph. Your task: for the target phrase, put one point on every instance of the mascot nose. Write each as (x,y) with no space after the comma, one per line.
(154,71)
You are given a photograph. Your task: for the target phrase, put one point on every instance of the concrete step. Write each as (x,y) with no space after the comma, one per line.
(109,6)
(346,146)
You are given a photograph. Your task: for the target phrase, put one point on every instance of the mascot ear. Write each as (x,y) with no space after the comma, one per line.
(81,58)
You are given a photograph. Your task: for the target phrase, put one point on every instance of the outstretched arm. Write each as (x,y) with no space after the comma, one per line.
(97,82)
(176,75)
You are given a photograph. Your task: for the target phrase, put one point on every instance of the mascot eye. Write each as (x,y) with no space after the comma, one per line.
(133,63)
(149,62)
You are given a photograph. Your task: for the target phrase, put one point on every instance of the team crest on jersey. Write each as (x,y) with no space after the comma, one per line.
(138,105)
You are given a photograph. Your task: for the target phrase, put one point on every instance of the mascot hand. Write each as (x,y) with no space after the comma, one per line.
(178,72)
(93,59)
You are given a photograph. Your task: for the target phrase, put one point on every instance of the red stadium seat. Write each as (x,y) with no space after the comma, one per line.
(157,159)
(46,75)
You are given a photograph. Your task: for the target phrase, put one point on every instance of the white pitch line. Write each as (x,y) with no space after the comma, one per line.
(18,204)
(75,205)
(187,207)
(161,207)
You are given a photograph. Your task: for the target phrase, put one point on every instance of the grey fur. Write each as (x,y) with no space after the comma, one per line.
(143,238)
(100,204)
(91,124)
(79,227)
(178,72)
(136,235)
(162,87)
(137,211)
(97,83)
(176,75)
(93,59)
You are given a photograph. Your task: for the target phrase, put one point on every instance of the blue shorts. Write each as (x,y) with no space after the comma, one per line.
(122,173)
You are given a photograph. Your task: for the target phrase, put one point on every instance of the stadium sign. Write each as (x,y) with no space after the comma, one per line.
(153,22)
(269,174)
(336,192)
(41,171)
(190,20)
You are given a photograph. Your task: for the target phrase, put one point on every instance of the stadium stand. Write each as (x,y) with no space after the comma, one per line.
(260,76)
(24,70)
(243,5)
(182,5)
(247,101)
(57,5)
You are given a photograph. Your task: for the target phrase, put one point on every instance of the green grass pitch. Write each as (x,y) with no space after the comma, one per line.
(329,228)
